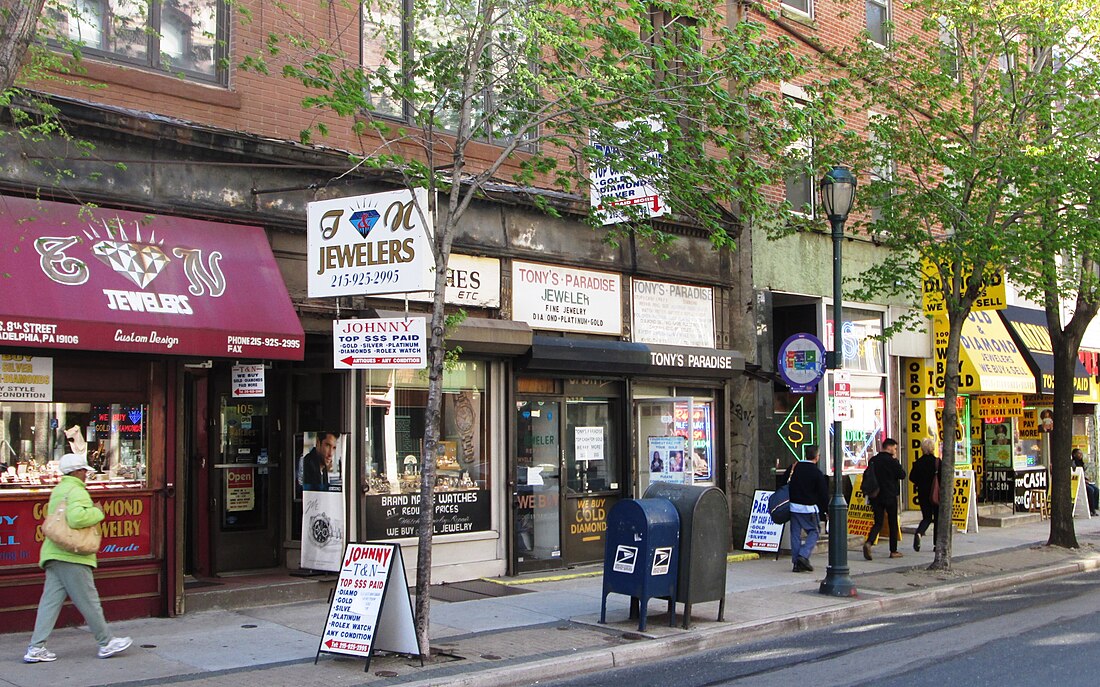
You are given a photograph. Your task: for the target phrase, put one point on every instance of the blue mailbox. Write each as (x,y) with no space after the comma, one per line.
(641,556)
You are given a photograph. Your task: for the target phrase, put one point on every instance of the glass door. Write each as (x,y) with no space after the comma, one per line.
(537,509)
(593,465)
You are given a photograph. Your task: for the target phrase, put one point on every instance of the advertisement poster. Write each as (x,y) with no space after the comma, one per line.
(861,518)
(370,608)
(240,489)
(692,421)
(666,462)
(26,378)
(588,443)
(322,530)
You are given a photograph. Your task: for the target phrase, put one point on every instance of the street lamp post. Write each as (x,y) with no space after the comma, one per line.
(838,190)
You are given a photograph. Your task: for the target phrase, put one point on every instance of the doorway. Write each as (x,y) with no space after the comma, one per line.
(569,470)
(232,479)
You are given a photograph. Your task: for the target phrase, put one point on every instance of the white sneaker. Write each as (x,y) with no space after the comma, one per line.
(115,646)
(38,654)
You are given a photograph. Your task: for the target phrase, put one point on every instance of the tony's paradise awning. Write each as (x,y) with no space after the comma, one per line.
(114,280)
(991,361)
(1030,328)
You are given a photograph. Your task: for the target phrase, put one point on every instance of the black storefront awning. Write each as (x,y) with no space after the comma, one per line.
(1029,328)
(598,356)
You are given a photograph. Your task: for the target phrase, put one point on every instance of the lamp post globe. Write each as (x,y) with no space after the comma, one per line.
(838,192)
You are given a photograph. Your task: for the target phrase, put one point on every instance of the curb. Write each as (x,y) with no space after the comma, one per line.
(729,634)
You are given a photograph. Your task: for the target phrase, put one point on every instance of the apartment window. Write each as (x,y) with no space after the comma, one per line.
(883,168)
(422,51)
(878,18)
(800,186)
(800,6)
(949,48)
(183,37)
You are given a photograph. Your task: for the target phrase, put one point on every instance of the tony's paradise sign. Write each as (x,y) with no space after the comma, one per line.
(370,607)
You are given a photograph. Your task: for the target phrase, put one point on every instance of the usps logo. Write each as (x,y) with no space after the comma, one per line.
(625,558)
(662,557)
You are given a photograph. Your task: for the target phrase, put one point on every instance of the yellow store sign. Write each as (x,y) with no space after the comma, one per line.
(992,296)
(1001,405)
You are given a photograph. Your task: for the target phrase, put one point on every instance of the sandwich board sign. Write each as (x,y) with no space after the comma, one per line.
(370,607)
(762,534)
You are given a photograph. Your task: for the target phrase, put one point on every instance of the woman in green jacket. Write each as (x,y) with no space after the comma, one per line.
(70,574)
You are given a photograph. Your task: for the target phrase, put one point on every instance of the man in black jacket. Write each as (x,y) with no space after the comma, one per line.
(809,503)
(889,473)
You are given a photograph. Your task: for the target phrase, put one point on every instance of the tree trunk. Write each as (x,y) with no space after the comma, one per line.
(436,355)
(955,319)
(19,21)
(1065,344)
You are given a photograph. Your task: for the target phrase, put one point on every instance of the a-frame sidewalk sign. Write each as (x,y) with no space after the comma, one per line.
(370,608)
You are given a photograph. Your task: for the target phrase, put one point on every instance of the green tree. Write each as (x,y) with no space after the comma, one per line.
(672,92)
(973,171)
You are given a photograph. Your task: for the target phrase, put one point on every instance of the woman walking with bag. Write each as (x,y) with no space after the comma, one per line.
(925,476)
(70,574)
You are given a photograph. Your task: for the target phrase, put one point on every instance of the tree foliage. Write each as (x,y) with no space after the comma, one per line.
(525,98)
(987,113)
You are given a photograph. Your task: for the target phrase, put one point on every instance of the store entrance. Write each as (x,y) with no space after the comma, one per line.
(231,480)
(568,473)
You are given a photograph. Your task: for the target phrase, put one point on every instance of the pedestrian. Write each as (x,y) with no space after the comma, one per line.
(70,574)
(888,473)
(1091,490)
(924,475)
(809,502)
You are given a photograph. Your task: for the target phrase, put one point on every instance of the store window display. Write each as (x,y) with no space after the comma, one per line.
(34,436)
(395,411)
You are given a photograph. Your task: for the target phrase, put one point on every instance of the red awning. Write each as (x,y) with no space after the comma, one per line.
(112,280)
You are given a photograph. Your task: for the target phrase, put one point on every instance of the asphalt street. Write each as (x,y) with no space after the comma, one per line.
(1039,634)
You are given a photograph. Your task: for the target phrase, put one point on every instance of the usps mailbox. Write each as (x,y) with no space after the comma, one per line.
(704,543)
(641,556)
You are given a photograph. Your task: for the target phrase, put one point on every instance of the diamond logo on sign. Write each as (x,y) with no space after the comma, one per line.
(140,263)
(625,558)
(364,221)
(135,415)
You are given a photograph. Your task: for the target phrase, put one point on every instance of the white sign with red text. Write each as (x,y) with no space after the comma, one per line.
(567,300)
(248,381)
(762,534)
(370,607)
(391,343)
(842,395)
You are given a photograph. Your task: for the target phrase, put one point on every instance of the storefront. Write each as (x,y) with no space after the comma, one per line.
(806,418)
(100,313)
(596,419)
(993,438)
(599,420)
(1028,326)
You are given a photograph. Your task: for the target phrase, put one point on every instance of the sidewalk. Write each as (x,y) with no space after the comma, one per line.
(550,628)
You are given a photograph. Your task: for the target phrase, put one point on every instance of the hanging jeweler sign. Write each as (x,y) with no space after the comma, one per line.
(372,244)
